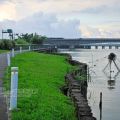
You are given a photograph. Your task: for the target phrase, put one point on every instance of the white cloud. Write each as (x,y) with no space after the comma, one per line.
(45,24)
(24,8)
(7,11)
(100,32)
(89,12)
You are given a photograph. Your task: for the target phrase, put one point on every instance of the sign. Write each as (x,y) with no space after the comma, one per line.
(7,31)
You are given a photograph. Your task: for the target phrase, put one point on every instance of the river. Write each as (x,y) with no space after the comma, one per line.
(99,81)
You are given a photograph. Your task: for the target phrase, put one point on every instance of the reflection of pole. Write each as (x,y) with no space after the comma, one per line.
(116,65)
(105,67)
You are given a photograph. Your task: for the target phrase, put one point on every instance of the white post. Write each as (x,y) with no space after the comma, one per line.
(56,46)
(29,48)
(8,59)
(14,88)
(20,49)
(13,53)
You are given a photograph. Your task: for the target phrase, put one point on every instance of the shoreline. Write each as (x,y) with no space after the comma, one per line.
(77,90)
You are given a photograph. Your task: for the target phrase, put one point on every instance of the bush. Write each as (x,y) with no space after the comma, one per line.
(32,38)
(7,44)
(37,39)
(21,41)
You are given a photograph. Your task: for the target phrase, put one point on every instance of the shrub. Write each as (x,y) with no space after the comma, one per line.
(37,39)
(32,38)
(21,41)
(7,44)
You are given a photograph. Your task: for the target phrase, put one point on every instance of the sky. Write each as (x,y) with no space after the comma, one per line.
(62,18)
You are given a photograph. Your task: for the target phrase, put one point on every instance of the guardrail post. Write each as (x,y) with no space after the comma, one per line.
(8,59)
(13,52)
(29,48)
(20,49)
(14,88)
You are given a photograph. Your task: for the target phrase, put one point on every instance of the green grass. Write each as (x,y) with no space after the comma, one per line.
(40,79)
(3,51)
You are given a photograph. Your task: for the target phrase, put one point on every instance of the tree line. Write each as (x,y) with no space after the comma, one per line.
(23,39)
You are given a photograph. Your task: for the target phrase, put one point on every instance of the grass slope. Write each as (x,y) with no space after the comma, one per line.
(40,79)
(3,51)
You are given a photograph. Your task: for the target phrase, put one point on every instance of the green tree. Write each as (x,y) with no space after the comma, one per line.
(21,41)
(33,38)
(7,44)
(37,39)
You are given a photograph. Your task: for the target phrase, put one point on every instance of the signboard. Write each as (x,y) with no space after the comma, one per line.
(7,31)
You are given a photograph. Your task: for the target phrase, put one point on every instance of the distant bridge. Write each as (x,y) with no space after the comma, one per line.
(85,43)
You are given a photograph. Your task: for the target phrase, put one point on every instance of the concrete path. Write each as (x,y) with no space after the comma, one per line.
(3,105)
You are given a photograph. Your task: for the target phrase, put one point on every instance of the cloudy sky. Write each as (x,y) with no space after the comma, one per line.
(62,18)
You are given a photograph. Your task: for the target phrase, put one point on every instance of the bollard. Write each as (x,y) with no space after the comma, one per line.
(14,88)
(56,46)
(20,49)
(13,53)
(8,59)
(29,48)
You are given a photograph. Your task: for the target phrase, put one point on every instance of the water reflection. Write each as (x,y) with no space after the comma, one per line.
(108,83)
(111,84)
(112,79)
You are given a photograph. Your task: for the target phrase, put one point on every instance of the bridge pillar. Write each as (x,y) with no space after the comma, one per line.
(116,47)
(103,47)
(100,47)
(96,47)
(113,47)
(93,47)
(106,47)
(110,47)
(72,47)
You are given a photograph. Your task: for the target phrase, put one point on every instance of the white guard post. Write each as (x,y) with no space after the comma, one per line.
(20,49)
(8,59)
(13,53)
(14,88)
(29,48)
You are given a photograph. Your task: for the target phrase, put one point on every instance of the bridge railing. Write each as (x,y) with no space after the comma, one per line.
(32,47)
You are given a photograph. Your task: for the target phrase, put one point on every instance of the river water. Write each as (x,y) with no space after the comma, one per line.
(99,80)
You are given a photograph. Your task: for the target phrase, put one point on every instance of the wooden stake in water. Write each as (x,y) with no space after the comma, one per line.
(100,106)
(14,88)
(100,100)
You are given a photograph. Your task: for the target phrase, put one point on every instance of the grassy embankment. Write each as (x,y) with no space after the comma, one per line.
(40,79)
(3,51)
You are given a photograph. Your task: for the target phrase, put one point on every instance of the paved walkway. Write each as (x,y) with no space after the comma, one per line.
(3,105)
